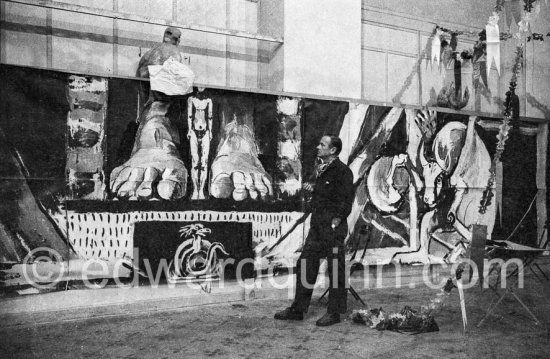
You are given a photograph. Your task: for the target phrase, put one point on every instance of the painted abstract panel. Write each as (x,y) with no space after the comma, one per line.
(87,97)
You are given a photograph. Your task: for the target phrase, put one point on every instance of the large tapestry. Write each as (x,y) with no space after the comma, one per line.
(93,166)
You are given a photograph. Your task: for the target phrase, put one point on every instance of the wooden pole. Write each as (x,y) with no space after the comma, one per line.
(542,215)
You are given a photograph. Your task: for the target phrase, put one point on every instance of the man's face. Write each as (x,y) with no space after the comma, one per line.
(325,149)
(172,35)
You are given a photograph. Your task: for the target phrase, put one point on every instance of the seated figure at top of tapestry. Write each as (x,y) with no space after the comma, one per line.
(161,52)
(155,168)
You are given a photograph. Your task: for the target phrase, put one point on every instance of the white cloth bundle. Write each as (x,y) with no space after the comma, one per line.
(172,78)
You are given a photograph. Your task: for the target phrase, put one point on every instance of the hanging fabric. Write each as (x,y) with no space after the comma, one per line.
(466,76)
(493,43)
(436,47)
(479,60)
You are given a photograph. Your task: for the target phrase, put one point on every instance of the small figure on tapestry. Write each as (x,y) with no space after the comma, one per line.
(199,121)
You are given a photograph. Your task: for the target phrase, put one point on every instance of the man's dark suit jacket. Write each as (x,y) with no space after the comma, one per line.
(333,192)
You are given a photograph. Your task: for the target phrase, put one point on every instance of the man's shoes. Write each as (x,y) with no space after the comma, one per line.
(328,319)
(289,314)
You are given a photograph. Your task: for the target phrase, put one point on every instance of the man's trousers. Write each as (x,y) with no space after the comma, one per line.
(322,242)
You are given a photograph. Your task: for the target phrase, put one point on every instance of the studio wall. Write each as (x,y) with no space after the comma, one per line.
(373,50)
(72,41)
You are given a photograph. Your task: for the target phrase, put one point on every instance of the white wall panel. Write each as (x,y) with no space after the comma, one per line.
(389,39)
(23,35)
(24,49)
(432,81)
(538,80)
(23,14)
(81,56)
(402,79)
(84,23)
(98,4)
(323,47)
(374,75)
(91,51)
(134,40)
(207,52)
(128,59)
(271,56)
(251,49)
(466,12)
(83,42)
(236,64)
(160,9)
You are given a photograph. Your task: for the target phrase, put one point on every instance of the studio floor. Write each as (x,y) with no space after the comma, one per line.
(246,329)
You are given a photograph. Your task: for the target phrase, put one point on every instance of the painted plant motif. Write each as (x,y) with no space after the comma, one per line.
(196,257)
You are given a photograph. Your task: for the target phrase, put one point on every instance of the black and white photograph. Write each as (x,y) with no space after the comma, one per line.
(274,179)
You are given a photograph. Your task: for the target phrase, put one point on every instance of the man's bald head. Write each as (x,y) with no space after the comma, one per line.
(172,35)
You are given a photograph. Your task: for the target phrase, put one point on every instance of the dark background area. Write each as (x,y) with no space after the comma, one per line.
(519,161)
(33,117)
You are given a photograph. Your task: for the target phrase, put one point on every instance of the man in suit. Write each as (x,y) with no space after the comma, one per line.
(331,199)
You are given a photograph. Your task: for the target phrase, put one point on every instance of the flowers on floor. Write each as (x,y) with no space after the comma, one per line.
(409,320)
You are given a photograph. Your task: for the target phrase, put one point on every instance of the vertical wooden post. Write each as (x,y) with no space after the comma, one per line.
(542,215)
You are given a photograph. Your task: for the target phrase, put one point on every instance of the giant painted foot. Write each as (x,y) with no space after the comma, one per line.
(236,171)
(154,168)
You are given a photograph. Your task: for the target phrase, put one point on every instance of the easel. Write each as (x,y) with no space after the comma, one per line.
(510,289)
(357,265)
(527,258)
